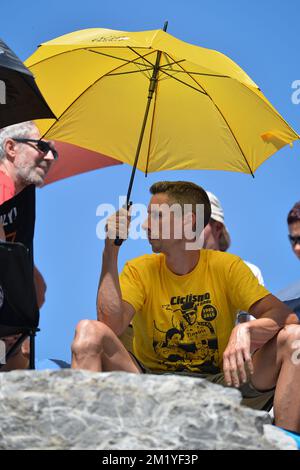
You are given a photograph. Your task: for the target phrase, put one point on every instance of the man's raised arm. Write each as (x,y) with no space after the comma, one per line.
(111,309)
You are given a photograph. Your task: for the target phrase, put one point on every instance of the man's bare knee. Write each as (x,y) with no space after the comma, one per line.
(289,341)
(89,335)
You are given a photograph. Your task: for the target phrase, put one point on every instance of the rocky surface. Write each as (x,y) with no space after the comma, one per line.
(81,410)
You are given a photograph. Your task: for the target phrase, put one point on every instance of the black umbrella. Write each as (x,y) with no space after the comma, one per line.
(20,98)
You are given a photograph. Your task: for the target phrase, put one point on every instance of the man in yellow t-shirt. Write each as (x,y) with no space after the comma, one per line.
(182,301)
(199,307)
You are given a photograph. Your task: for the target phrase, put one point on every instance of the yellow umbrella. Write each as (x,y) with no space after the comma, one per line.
(202,110)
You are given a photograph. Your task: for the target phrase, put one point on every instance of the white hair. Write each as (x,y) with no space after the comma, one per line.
(23,129)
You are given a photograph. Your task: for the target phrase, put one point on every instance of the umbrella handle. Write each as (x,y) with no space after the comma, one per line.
(119,241)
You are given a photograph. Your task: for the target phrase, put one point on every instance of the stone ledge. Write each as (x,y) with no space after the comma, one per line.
(81,410)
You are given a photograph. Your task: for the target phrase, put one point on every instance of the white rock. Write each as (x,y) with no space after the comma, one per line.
(80,410)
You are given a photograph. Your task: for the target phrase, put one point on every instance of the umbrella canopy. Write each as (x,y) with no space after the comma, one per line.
(75,160)
(206,112)
(20,98)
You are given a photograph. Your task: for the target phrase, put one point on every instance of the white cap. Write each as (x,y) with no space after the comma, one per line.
(217,214)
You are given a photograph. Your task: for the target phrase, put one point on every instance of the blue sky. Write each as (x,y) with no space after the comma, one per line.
(262,37)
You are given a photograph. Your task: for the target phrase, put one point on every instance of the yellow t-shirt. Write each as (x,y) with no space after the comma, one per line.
(184,322)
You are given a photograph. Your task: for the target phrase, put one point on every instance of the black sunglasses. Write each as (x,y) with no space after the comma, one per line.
(295,240)
(43,146)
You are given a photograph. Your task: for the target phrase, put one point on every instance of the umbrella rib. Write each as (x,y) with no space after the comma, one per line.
(134,61)
(172,63)
(184,83)
(120,58)
(175,62)
(107,55)
(194,80)
(81,94)
(227,123)
(143,57)
(81,49)
(131,71)
(203,74)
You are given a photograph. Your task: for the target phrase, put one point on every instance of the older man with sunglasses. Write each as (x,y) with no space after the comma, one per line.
(25,160)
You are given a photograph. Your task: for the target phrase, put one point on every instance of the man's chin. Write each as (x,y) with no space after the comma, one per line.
(39,183)
(36,179)
(154,245)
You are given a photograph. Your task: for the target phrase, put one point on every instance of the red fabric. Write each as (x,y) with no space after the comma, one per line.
(74,160)
(7,188)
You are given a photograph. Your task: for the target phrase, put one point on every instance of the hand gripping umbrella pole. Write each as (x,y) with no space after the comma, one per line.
(152,88)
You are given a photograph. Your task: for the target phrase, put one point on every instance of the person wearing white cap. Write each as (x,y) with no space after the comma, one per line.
(216,235)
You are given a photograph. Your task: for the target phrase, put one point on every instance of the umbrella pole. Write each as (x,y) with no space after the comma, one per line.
(137,154)
(152,87)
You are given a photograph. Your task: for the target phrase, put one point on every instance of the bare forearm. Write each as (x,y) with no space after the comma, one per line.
(40,287)
(271,316)
(267,326)
(109,298)
(2,233)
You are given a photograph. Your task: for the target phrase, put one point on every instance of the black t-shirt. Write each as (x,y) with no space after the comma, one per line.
(17,216)
(18,305)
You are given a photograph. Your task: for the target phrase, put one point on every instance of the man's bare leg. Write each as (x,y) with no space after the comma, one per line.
(17,362)
(97,348)
(276,364)
(19,359)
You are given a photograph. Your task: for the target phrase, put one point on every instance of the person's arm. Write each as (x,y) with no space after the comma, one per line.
(111,309)
(2,233)
(271,316)
(40,286)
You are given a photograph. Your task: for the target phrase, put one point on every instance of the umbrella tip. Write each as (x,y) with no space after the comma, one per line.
(165,26)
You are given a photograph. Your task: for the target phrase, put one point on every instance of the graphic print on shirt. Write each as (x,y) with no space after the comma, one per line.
(8,219)
(17,215)
(191,342)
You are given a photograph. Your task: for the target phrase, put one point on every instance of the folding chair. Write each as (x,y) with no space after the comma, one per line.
(19,313)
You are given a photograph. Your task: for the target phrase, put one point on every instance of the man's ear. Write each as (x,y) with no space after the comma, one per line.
(218,227)
(10,149)
(189,222)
